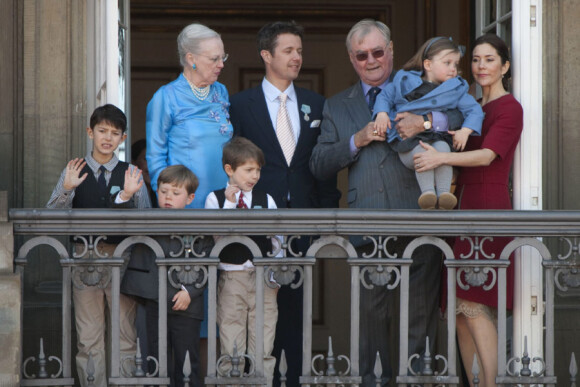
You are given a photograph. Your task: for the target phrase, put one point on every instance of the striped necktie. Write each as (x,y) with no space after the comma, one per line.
(284,130)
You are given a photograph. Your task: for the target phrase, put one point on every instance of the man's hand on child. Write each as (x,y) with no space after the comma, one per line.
(231,192)
(460,138)
(181,300)
(133,183)
(73,170)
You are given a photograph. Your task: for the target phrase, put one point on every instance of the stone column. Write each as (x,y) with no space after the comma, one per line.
(10,309)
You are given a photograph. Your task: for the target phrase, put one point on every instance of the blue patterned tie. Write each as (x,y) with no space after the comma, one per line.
(102,183)
(373,92)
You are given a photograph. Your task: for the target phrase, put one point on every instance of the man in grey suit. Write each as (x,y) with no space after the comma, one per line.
(377,179)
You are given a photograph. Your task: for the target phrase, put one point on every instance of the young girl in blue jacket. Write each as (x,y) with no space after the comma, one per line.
(427,83)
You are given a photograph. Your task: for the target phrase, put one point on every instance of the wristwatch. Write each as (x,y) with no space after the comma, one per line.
(427,124)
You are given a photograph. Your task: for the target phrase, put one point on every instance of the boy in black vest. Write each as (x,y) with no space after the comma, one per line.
(176,187)
(236,309)
(100,180)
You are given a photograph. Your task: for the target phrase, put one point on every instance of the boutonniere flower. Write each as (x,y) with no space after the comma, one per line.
(306,110)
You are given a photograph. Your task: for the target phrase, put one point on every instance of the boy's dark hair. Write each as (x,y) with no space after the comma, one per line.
(268,34)
(110,114)
(136,149)
(179,175)
(428,50)
(240,150)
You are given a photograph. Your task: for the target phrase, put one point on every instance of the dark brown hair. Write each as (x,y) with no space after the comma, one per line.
(428,50)
(502,50)
(180,176)
(268,34)
(111,115)
(240,150)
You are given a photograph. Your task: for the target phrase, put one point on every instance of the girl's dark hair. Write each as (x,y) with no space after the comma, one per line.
(428,50)
(502,50)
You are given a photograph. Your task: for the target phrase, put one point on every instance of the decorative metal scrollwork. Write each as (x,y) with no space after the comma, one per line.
(525,359)
(573,249)
(381,275)
(89,246)
(379,247)
(427,360)
(178,275)
(569,276)
(91,275)
(284,275)
(42,374)
(477,248)
(235,360)
(188,246)
(330,360)
(283,246)
(476,277)
(484,277)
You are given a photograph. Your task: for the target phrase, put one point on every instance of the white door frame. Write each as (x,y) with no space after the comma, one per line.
(526,50)
(104,50)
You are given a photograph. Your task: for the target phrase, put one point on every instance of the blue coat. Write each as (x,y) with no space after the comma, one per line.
(451,94)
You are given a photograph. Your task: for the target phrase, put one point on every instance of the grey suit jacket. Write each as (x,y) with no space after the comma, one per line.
(376,176)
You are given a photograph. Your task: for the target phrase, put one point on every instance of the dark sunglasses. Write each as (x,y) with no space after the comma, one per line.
(361,57)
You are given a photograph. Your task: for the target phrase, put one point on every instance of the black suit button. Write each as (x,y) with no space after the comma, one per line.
(380,190)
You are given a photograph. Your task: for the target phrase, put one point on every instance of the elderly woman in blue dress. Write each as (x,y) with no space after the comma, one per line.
(188,119)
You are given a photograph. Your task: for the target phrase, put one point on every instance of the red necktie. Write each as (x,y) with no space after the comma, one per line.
(241,203)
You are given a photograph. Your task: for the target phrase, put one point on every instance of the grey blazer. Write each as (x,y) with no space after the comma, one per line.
(376,176)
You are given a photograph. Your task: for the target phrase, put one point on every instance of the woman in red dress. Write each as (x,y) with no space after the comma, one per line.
(483,184)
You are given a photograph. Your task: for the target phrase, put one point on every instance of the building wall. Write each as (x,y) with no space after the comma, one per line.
(53,90)
(561,140)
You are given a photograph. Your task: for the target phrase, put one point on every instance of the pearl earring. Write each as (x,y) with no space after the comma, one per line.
(194,66)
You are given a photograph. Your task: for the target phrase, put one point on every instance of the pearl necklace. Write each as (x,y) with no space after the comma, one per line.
(200,92)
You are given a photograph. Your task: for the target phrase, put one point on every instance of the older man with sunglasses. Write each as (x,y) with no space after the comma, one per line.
(377,179)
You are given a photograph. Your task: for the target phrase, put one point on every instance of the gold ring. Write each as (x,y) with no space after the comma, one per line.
(375,133)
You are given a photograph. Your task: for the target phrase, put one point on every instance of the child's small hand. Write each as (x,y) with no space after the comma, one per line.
(382,122)
(231,192)
(460,138)
(71,177)
(181,300)
(133,182)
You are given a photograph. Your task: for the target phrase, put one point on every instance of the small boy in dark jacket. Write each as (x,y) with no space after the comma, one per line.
(176,187)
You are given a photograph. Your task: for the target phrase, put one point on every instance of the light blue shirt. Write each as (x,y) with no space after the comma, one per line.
(272,93)
(182,129)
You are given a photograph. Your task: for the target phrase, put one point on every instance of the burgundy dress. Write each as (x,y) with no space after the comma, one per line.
(487,187)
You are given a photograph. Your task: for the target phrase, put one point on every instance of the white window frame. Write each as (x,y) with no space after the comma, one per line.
(526,39)
(107,59)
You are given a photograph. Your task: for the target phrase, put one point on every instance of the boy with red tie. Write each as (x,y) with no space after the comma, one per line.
(236,308)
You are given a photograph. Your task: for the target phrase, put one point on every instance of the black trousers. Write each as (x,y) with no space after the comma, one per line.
(182,336)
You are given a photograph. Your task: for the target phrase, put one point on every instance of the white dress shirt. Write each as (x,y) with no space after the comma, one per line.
(272,93)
